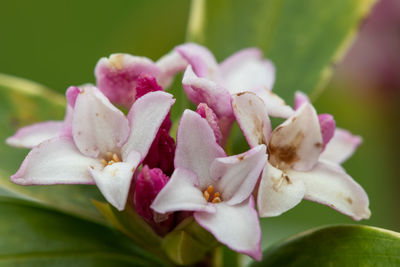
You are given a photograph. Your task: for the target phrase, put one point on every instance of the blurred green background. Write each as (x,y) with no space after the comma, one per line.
(57,43)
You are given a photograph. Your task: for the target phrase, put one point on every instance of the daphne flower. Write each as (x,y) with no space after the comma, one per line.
(117,76)
(296,168)
(105,147)
(216,187)
(209,82)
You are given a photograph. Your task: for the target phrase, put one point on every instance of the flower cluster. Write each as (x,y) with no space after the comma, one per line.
(133,156)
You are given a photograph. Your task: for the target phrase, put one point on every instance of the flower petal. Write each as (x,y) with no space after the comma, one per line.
(297,143)
(200,58)
(341,146)
(181,193)
(237,175)
(145,118)
(299,99)
(207,113)
(202,90)
(55,161)
(328,125)
(114,180)
(327,183)
(98,127)
(252,117)
(117,75)
(276,107)
(169,65)
(32,135)
(196,147)
(246,69)
(278,192)
(236,226)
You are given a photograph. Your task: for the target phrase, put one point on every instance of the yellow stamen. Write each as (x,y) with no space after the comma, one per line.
(215,200)
(109,156)
(206,195)
(104,162)
(116,158)
(210,189)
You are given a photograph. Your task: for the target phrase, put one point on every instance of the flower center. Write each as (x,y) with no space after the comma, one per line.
(110,159)
(210,196)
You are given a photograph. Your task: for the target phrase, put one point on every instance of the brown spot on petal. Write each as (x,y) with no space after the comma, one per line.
(258,130)
(116,61)
(241,93)
(318,145)
(284,156)
(349,200)
(241,157)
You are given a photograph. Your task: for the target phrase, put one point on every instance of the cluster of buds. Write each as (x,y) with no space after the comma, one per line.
(133,156)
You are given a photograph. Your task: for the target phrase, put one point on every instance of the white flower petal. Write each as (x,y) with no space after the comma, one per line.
(200,58)
(276,106)
(34,134)
(55,161)
(251,114)
(297,143)
(97,127)
(246,69)
(145,118)
(181,193)
(278,192)
(169,65)
(204,90)
(327,183)
(236,226)
(342,145)
(237,175)
(196,147)
(114,180)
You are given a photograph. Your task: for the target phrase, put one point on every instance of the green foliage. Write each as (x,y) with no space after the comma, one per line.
(348,245)
(33,236)
(302,38)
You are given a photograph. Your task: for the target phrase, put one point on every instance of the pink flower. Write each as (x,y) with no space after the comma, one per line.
(206,81)
(104,148)
(215,187)
(297,168)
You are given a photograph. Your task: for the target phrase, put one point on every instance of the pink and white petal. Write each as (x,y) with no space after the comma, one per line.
(207,113)
(196,147)
(32,135)
(203,90)
(114,180)
(246,70)
(169,65)
(117,75)
(276,107)
(55,161)
(327,183)
(181,193)
(341,146)
(278,192)
(71,94)
(236,176)
(145,118)
(97,127)
(299,99)
(67,123)
(328,125)
(235,226)
(200,58)
(297,143)
(252,117)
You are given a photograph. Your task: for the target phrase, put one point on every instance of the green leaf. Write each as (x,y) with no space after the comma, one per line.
(347,245)
(23,103)
(302,38)
(33,236)
(132,225)
(188,243)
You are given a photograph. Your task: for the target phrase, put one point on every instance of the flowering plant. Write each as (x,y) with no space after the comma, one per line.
(178,183)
